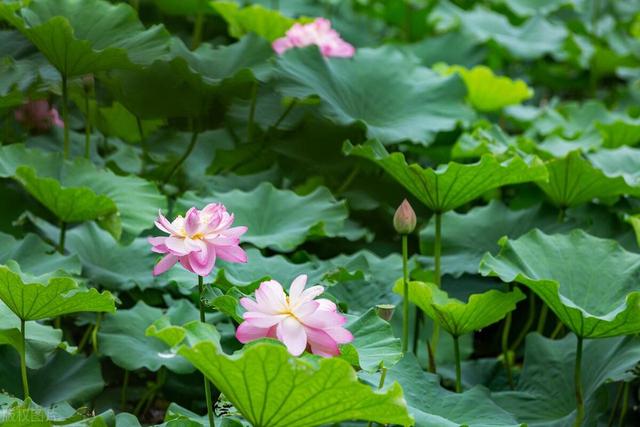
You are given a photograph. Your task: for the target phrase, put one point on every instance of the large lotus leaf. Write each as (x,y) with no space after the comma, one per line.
(188,83)
(490,140)
(373,341)
(125,329)
(279,223)
(55,181)
(35,256)
(535,38)
(458,317)
(271,388)
(185,7)
(466,237)
(177,416)
(415,102)
(544,394)
(454,184)
(64,378)
(86,36)
(488,92)
(256,19)
(588,282)
(363,279)
(573,180)
(437,48)
(620,132)
(433,406)
(41,340)
(60,295)
(623,161)
(527,8)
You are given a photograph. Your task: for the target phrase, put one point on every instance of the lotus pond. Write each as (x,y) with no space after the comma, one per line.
(304,213)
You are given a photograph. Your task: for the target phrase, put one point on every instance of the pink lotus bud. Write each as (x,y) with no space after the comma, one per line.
(319,33)
(404,220)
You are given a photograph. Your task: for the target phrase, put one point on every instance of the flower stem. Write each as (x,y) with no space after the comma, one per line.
(197,28)
(65,115)
(527,325)
(456,351)
(625,405)
(207,386)
(383,376)
(123,392)
(23,360)
(542,320)
(578,384)
(437,254)
(405,306)
(181,160)
(94,333)
(252,112)
(87,127)
(505,348)
(63,232)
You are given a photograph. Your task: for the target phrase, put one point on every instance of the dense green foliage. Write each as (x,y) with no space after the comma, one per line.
(511,126)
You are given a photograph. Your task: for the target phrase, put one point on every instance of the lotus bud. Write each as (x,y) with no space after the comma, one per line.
(404,220)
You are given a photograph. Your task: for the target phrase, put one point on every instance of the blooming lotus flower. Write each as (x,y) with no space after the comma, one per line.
(318,33)
(197,239)
(298,320)
(38,115)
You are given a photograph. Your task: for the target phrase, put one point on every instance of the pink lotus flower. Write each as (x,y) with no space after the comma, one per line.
(318,33)
(298,320)
(38,115)
(196,239)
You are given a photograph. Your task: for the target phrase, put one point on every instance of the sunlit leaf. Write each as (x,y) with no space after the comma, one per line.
(568,272)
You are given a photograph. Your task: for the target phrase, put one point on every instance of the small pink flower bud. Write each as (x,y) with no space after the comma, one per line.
(404,220)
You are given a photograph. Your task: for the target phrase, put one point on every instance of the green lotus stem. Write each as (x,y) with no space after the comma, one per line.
(456,351)
(63,233)
(556,330)
(87,127)
(542,319)
(505,348)
(625,405)
(416,330)
(65,115)
(615,404)
(527,325)
(207,386)
(23,360)
(252,112)
(405,303)
(123,392)
(578,385)
(347,182)
(383,376)
(197,29)
(437,255)
(94,333)
(181,160)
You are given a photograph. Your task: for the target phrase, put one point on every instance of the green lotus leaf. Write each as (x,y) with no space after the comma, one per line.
(467,237)
(588,282)
(454,184)
(187,83)
(534,39)
(289,391)
(126,329)
(35,256)
(60,295)
(41,340)
(267,23)
(619,132)
(437,48)
(278,224)
(623,161)
(373,341)
(433,406)
(64,378)
(177,416)
(490,140)
(77,190)
(488,92)
(573,180)
(544,394)
(526,8)
(416,102)
(458,317)
(185,7)
(87,36)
